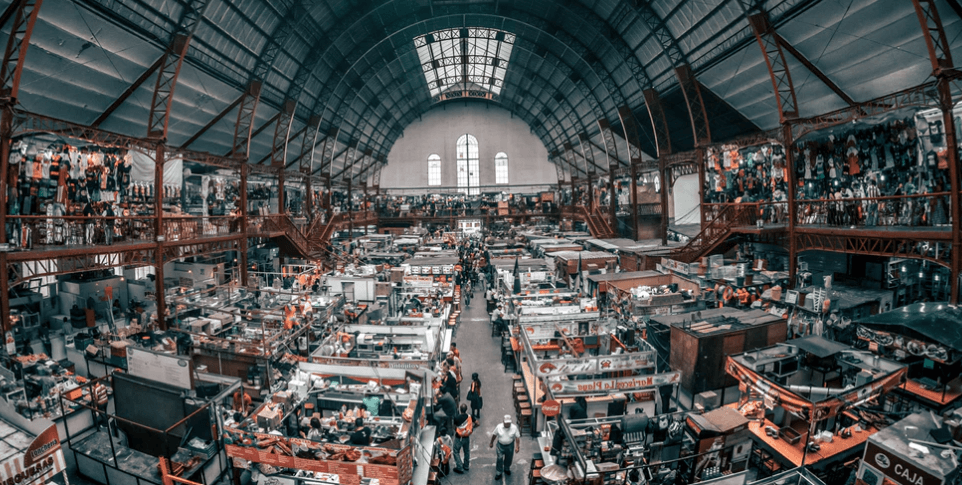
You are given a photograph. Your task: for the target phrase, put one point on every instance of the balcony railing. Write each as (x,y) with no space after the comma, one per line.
(919,210)
(29,232)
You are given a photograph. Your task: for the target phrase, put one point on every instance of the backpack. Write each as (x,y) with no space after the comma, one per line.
(466,428)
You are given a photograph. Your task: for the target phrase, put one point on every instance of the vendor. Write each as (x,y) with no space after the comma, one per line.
(579,410)
(361,434)
(315,433)
(242,402)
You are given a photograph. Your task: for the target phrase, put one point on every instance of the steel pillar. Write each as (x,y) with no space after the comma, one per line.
(611,150)
(942,68)
(24,14)
(792,239)
(282,133)
(173,59)
(948,120)
(630,127)
(244,172)
(696,105)
(245,120)
(777,67)
(159,231)
(4,298)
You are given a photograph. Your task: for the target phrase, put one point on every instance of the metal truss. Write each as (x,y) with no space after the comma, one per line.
(184,249)
(659,124)
(869,243)
(679,169)
(569,153)
(586,152)
(777,67)
(245,120)
(169,69)
(26,123)
(921,96)
(630,126)
(327,154)
(282,133)
(21,30)
(53,263)
(696,105)
(308,144)
(611,148)
(935,38)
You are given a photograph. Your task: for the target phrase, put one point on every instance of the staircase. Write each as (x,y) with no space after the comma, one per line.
(598,225)
(289,237)
(716,232)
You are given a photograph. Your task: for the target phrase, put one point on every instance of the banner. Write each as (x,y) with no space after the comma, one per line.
(859,395)
(596,364)
(283,452)
(619,384)
(40,461)
(780,396)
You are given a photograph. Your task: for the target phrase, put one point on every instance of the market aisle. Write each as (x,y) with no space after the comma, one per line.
(481,353)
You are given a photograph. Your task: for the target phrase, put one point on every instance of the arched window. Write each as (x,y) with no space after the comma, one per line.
(501,168)
(434,169)
(469,178)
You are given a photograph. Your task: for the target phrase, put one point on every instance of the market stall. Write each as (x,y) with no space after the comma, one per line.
(916,450)
(803,397)
(338,452)
(385,346)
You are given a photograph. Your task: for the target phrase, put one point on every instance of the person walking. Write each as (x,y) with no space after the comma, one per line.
(464,426)
(508,437)
(474,397)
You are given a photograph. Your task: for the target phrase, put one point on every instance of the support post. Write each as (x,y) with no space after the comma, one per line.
(948,121)
(665,184)
(244,171)
(6,127)
(4,299)
(612,200)
(790,182)
(944,71)
(634,201)
(160,235)
(280,192)
(700,160)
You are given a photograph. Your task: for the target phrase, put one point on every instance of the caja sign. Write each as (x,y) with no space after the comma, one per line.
(896,468)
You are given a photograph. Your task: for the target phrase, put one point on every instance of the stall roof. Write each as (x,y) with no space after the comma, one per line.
(629,275)
(851,297)
(720,320)
(818,346)
(916,428)
(721,420)
(440,261)
(937,322)
(574,255)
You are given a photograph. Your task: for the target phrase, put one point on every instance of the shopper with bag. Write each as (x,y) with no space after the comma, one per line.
(464,426)
(474,397)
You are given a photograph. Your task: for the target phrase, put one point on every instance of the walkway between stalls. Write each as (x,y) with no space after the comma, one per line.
(481,353)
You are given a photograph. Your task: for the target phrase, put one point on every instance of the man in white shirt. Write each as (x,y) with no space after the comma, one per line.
(505,434)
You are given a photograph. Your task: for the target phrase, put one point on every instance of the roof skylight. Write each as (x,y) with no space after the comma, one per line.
(468,58)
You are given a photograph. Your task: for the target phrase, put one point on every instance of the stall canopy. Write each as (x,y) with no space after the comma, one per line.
(934,322)
(818,346)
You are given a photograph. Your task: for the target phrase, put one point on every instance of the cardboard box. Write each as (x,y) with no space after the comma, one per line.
(119,348)
(269,418)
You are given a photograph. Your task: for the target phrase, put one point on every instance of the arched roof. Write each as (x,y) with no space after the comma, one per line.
(354,63)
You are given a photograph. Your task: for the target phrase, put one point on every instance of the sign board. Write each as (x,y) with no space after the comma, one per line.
(619,384)
(156,366)
(348,472)
(37,463)
(383,364)
(551,408)
(896,468)
(791,297)
(596,364)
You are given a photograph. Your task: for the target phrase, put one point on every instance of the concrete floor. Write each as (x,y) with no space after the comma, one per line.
(481,353)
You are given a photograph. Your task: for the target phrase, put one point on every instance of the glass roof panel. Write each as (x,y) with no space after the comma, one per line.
(474,58)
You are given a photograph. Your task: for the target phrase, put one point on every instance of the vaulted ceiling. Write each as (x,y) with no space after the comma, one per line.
(368,68)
